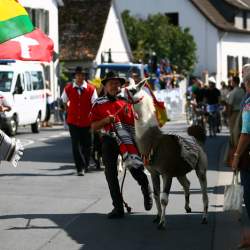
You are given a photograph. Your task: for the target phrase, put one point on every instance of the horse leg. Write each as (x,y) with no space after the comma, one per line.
(203,182)
(167,182)
(157,191)
(186,185)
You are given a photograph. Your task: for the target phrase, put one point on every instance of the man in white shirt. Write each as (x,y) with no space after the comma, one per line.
(79,97)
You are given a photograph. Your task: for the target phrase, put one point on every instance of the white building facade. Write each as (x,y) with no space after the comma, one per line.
(114,39)
(44,15)
(218,49)
(236,46)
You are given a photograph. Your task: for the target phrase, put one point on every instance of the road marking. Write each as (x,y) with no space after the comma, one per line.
(55,136)
(43,139)
(26,142)
(66,133)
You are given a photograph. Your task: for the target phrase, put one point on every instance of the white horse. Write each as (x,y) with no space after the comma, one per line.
(165,153)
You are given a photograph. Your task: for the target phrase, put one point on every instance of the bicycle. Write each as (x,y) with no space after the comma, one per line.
(189,111)
(199,116)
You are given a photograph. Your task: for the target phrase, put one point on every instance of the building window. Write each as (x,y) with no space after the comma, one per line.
(232,65)
(239,20)
(245,60)
(46,21)
(40,19)
(173,18)
(37,80)
(245,20)
(29,10)
(248,20)
(47,73)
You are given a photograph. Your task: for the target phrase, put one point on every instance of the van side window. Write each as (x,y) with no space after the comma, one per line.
(6,78)
(28,81)
(37,80)
(19,88)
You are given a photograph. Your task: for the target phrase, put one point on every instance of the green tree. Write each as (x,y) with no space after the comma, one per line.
(156,34)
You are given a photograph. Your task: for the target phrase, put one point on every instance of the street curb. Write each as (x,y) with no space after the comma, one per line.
(217,203)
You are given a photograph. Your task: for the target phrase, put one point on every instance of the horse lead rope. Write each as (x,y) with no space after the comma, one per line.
(129,209)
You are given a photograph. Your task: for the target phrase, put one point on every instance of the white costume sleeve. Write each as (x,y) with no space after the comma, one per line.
(94,97)
(64,97)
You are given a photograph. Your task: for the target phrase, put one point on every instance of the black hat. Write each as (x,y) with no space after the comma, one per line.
(79,70)
(112,75)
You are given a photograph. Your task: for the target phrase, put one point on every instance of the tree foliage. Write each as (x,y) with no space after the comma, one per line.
(156,34)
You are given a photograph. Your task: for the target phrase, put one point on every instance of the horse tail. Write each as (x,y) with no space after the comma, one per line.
(198,133)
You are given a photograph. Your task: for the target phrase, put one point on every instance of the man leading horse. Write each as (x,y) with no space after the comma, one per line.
(115,118)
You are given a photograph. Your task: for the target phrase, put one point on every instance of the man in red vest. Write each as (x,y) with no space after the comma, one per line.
(79,97)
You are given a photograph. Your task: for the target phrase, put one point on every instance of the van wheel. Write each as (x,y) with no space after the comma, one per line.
(35,127)
(12,126)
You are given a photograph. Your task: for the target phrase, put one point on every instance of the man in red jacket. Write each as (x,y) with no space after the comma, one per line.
(115,118)
(79,97)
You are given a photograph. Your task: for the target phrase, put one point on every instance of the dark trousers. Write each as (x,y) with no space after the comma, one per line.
(81,146)
(245,181)
(110,152)
(48,112)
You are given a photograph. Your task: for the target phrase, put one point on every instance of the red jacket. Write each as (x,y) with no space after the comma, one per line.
(102,110)
(123,114)
(79,106)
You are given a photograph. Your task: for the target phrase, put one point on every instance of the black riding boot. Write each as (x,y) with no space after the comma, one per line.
(142,180)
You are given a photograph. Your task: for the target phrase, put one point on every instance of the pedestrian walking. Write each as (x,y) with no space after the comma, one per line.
(224,98)
(115,118)
(79,97)
(241,160)
(212,97)
(48,106)
(234,101)
(224,92)
(11,149)
(4,104)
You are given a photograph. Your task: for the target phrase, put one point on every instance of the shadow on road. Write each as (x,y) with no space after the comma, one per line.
(35,174)
(56,150)
(27,131)
(212,190)
(94,231)
(215,149)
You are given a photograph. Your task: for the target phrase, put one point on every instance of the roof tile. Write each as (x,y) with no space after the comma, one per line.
(215,17)
(81,27)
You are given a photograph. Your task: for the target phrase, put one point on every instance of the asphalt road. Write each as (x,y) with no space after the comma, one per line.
(44,205)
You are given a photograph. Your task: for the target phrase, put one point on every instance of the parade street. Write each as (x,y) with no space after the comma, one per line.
(45,206)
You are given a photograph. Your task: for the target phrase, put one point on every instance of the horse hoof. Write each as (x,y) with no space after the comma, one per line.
(157,219)
(161,226)
(188,210)
(204,221)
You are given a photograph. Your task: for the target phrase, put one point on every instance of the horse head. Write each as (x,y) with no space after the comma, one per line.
(134,92)
(139,96)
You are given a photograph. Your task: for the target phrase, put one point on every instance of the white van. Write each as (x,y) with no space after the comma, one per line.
(22,84)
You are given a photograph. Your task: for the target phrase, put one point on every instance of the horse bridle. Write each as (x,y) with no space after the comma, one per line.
(130,99)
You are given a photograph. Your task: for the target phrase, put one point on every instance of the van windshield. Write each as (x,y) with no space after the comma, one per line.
(6,80)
